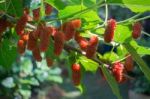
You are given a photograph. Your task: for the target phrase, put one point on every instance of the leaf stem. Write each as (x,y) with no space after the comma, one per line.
(143,32)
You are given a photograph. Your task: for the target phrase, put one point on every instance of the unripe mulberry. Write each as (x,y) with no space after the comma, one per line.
(137,27)
(21,46)
(76,23)
(36,54)
(129,63)
(32,42)
(59,40)
(36,14)
(49,61)
(92,47)
(48,9)
(118,70)
(21,23)
(76,74)
(109,31)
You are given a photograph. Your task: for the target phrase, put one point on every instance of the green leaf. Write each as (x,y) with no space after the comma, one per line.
(12,7)
(143,66)
(121,51)
(29,81)
(140,49)
(55,78)
(122,32)
(26,93)
(111,81)
(8,53)
(111,56)
(26,66)
(137,5)
(86,3)
(88,64)
(70,10)
(91,19)
(8,82)
(133,5)
(81,88)
(58,4)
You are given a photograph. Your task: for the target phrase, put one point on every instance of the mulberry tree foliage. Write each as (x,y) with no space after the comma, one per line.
(48,29)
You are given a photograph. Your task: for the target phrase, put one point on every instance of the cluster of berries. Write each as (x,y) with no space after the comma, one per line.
(111,26)
(38,41)
(119,69)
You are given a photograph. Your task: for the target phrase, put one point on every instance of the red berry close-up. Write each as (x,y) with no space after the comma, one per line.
(136,30)
(48,9)
(76,23)
(92,47)
(36,14)
(21,23)
(21,46)
(118,70)
(44,39)
(129,63)
(109,30)
(68,30)
(83,43)
(76,67)
(76,74)
(32,42)
(36,54)
(59,40)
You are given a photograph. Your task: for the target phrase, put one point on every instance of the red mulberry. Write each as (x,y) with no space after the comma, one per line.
(109,31)
(137,27)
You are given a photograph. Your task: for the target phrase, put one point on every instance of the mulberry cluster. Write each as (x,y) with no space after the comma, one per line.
(36,12)
(89,47)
